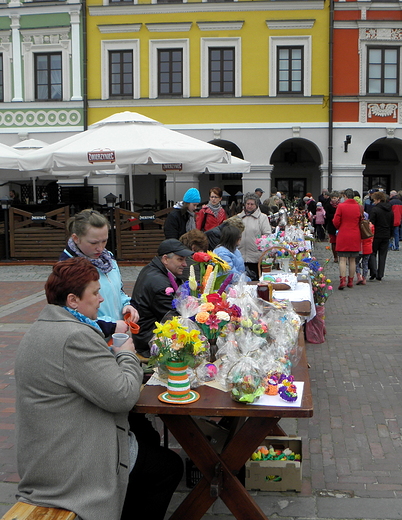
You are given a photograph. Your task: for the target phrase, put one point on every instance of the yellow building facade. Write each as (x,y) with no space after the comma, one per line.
(251,73)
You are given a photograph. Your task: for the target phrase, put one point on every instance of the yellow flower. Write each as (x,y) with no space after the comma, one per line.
(163,329)
(328,280)
(194,335)
(182,336)
(197,346)
(218,260)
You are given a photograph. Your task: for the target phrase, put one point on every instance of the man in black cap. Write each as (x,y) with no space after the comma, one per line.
(154,289)
(259,192)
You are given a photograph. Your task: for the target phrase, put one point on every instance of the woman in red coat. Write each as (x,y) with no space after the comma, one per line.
(348,241)
(211,214)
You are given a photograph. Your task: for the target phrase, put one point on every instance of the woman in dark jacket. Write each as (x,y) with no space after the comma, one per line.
(382,218)
(182,218)
(330,205)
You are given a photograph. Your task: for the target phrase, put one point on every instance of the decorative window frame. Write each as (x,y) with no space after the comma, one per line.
(7,52)
(289,41)
(373,37)
(54,39)
(206,44)
(120,45)
(154,46)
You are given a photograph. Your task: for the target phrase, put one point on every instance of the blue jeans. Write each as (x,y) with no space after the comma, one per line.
(396,237)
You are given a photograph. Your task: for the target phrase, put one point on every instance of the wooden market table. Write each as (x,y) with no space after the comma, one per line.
(220,469)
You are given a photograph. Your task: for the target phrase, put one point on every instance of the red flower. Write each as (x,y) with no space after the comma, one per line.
(214,298)
(201,257)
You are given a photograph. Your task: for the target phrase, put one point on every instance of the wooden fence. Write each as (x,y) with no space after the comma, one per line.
(135,244)
(38,235)
(43,236)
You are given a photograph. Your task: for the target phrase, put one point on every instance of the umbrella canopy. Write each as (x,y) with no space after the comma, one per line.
(126,138)
(9,158)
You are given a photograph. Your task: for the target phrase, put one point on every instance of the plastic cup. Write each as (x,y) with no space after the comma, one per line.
(119,338)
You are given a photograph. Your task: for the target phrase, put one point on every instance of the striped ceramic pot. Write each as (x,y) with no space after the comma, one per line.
(178,381)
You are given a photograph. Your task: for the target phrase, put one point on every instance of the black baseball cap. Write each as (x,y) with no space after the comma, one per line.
(172,245)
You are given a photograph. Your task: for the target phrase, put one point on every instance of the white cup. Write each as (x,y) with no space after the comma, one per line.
(119,338)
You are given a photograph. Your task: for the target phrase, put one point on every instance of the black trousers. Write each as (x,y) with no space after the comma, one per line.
(155,476)
(380,251)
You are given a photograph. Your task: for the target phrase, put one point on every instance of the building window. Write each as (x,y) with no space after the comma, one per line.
(221,71)
(289,65)
(170,72)
(121,73)
(382,70)
(1,79)
(290,70)
(48,77)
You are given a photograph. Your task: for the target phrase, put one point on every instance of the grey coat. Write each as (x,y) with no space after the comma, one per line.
(73,397)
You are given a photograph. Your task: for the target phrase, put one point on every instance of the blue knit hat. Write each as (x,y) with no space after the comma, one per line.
(192,195)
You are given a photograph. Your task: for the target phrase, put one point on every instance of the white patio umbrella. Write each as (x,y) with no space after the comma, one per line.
(127,139)
(9,158)
(27,146)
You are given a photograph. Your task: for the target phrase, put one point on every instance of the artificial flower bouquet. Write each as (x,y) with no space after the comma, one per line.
(321,285)
(212,274)
(178,339)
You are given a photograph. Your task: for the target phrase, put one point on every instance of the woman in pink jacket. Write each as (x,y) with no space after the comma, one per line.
(348,241)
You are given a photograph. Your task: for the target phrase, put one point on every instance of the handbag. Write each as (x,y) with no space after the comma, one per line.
(365,231)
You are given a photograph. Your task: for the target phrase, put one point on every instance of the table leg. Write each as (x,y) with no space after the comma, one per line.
(234,456)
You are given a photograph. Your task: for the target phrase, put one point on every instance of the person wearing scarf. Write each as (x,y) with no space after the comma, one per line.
(211,214)
(182,218)
(89,231)
(330,205)
(256,224)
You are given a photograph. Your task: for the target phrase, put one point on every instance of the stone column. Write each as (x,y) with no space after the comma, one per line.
(17,60)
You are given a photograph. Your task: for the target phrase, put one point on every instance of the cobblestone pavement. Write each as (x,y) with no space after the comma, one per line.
(352,446)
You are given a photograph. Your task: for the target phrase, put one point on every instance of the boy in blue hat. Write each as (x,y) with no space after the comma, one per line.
(182,218)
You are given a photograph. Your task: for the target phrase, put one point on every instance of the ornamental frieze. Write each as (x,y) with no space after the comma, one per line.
(32,118)
(381,34)
(382,110)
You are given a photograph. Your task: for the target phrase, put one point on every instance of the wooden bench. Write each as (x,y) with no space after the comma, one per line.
(23,511)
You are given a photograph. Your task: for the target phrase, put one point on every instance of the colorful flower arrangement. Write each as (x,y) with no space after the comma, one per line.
(321,285)
(214,313)
(212,273)
(174,341)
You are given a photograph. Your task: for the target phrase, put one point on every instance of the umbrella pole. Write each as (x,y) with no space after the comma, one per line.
(131,186)
(34,189)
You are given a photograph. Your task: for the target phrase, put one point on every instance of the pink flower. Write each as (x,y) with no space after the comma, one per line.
(169,290)
(330,287)
(212,322)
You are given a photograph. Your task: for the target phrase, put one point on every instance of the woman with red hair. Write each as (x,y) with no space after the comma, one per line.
(211,214)
(74,447)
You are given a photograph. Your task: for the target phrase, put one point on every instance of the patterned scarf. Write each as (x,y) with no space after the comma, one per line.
(214,208)
(82,318)
(103,263)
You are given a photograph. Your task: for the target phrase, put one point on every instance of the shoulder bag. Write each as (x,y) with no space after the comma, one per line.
(365,231)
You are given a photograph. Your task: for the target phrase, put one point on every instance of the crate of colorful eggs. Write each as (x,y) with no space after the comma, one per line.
(276,465)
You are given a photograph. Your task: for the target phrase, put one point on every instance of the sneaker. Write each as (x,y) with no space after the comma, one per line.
(379,279)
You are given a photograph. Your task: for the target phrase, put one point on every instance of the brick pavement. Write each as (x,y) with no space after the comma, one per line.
(351,446)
